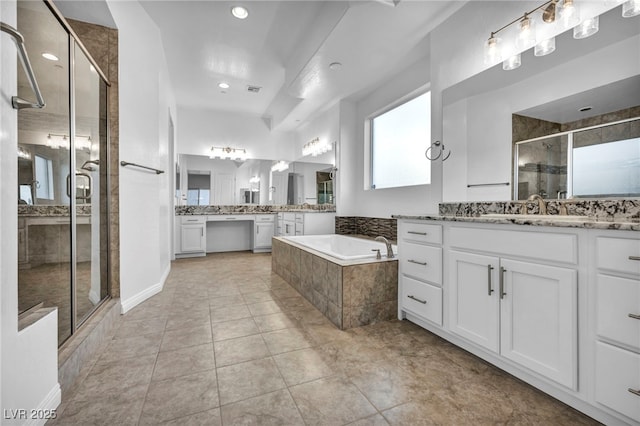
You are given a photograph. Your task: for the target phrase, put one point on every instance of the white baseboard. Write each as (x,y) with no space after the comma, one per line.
(46,407)
(132,302)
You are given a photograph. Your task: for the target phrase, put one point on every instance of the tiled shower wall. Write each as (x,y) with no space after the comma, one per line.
(102,43)
(369,226)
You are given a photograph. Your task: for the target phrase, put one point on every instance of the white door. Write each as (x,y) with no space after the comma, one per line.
(193,239)
(539,319)
(279,188)
(474,311)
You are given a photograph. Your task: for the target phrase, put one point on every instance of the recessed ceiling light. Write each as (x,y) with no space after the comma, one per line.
(335,66)
(223,85)
(239,12)
(584,109)
(49,56)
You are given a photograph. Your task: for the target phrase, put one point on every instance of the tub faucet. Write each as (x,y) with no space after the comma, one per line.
(542,206)
(389,248)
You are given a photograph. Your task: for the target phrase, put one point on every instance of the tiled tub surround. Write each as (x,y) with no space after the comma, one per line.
(252,209)
(350,294)
(369,226)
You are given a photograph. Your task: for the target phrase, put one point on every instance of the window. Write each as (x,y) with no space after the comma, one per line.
(198,188)
(44,178)
(399,138)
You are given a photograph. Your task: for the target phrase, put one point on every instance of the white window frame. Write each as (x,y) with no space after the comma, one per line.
(368,139)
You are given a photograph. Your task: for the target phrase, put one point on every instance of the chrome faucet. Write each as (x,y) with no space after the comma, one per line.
(542,206)
(389,248)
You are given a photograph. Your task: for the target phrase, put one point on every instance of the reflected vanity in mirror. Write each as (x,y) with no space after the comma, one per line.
(201,180)
(563,125)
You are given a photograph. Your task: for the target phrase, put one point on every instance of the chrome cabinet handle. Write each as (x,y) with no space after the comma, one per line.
(192,220)
(417,263)
(634,391)
(502,292)
(424,302)
(489,285)
(634,316)
(416,233)
(634,257)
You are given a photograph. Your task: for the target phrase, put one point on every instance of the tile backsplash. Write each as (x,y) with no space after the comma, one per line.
(369,226)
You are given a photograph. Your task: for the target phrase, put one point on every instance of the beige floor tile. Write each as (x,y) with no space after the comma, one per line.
(234,351)
(140,327)
(180,397)
(204,418)
(275,409)
(241,381)
(302,366)
(132,347)
(333,400)
(233,329)
(107,378)
(217,302)
(384,384)
(188,319)
(273,322)
(185,361)
(376,420)
(228,313)
(264,308)
(257,297)
(176,339)
(286,340)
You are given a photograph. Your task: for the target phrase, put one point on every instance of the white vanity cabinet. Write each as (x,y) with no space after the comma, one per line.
(420,271)
(263,230)
(616,290)
(305,223)
(191,235)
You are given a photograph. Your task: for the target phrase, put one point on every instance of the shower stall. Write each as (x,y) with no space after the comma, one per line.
(63,172)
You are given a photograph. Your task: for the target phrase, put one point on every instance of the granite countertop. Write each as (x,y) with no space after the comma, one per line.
(589,222)
(253,209)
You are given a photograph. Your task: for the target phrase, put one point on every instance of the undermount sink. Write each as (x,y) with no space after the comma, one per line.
(564,218)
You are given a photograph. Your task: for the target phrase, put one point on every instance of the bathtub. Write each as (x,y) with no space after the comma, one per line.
(343,247)
(340,276)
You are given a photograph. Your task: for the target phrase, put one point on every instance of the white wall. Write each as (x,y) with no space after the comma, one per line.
(145,206)
(201,129)
(354,200)
(29,358)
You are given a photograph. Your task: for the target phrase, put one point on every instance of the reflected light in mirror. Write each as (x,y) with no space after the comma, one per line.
(587,28)
(280,166)
(631,8)
(545,47)
(512,63)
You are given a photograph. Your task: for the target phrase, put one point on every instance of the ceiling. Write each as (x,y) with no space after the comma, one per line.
(285,48)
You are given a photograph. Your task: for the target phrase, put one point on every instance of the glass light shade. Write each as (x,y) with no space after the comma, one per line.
(492,51)
(526,34)
(569,14)
(545,47)
(631,8)
(586,28)
(512,63)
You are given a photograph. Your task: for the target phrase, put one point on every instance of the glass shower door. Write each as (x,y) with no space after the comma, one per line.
(44,162)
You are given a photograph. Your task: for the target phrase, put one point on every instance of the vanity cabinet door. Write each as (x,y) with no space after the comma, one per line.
(263,234)
(474,311)
(539,319)
(193,238)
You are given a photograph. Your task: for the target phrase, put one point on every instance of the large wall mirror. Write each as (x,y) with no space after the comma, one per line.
(561,125)
(201,180)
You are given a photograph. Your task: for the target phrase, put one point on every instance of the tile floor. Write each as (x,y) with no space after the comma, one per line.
(228,342)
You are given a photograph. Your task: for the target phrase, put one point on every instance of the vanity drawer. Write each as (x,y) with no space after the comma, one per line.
(616,299)
(618,254)
(289,216)
(618,372)
(193,219)
(265,218)
(421,299)
(420,232)
(300,217)
(422,262)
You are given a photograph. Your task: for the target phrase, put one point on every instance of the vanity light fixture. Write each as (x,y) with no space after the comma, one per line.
(228,153)
(279,166)
(315,148)
(255,179)
(586,28)
(566,12)
(631,8)
(240,12)
(57,141)
(50,56)
(23,153)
